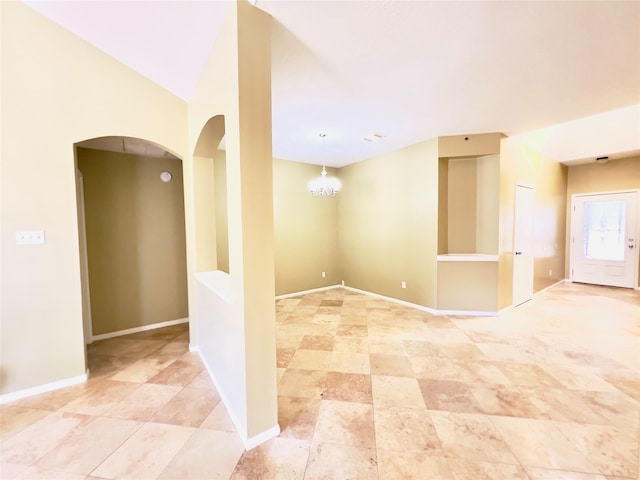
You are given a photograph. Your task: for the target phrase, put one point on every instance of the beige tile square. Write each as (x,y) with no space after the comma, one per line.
(328,461)
(474,470)
(391,365)
(352,330)
(279,458)
(206,454)
(545,474)
(88,446)
(317,342)
(302,383)
(146,400)
(449,396)
(146,453)
(348,387)
(412,466)
(142,370)
(539,443)
(385,345)
(310,360)
(349,362)
(345,423)
(613,450)
(402,429)
(396,392)
(504,400)
(100,396)
(351,344)
(39,438)
(528,375)
(297,417)
(36,472)
(180,373)
(435,368)
(566,405)
(16,419)
(471,437)
(189,407)
(219,419)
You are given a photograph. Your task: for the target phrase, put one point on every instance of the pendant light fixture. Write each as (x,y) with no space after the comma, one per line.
(324,186)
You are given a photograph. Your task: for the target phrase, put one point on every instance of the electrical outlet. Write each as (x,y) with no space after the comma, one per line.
(550,273)
(343,283)
(324,274)
(404,284)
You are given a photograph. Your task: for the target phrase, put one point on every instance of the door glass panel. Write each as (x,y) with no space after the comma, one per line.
(604,230)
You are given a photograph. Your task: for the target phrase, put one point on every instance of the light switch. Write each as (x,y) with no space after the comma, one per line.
(30,237)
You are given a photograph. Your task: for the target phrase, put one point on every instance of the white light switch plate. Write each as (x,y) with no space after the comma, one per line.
(30,237)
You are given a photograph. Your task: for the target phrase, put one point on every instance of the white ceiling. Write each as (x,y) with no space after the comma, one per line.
(409,70)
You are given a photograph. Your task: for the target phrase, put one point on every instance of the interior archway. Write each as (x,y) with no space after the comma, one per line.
(131,218)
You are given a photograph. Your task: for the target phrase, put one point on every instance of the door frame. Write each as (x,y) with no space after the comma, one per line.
(513,249)
(571,238)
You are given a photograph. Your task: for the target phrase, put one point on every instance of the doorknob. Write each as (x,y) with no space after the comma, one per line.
(518,253)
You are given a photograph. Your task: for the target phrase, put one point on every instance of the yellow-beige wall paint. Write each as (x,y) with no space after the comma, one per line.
(388,224)
(305,229)
(48,105)
(135,239)
(620,174)
(462,205)
(522,164)
(236,332)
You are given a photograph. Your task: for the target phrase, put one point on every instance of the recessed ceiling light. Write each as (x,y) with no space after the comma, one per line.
(373,137)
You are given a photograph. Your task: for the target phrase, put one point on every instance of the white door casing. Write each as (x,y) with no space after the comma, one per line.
(604,238)
(523,244)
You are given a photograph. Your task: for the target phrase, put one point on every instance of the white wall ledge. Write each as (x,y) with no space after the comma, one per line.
(467,257)
(218,282)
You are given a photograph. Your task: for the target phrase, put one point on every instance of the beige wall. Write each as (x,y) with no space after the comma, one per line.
(462,200)
(487,204)
(622,174)
(48,105)
(305,229)
(222,218)
(470,286)
(135,239)
(388,224)
(235,320)
(521,164)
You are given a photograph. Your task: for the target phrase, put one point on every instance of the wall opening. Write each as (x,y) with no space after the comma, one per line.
(210,197)
(132,236)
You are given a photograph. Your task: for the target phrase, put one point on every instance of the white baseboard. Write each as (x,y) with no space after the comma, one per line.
(47,387)
(249,443)
(433,311)
(305,292)
(144,328)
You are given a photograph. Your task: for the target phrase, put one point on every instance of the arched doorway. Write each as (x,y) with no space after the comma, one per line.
(132,236)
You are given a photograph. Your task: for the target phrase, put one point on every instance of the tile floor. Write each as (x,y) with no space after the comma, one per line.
(367,390)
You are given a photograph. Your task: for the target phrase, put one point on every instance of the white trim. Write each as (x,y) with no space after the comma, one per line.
(249,443)
(47,387)
(144,328)
(467,257)
(262,437)
(304,292)
(473,313)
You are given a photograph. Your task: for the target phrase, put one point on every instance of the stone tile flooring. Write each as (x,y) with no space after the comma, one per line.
(368,389)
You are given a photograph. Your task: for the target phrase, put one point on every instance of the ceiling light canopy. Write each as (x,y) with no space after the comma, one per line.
(324,186)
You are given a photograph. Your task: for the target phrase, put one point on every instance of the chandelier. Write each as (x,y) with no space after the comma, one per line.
(323,185)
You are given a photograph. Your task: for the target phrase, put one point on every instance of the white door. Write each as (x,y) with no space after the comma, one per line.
(604,248)
(523,244)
